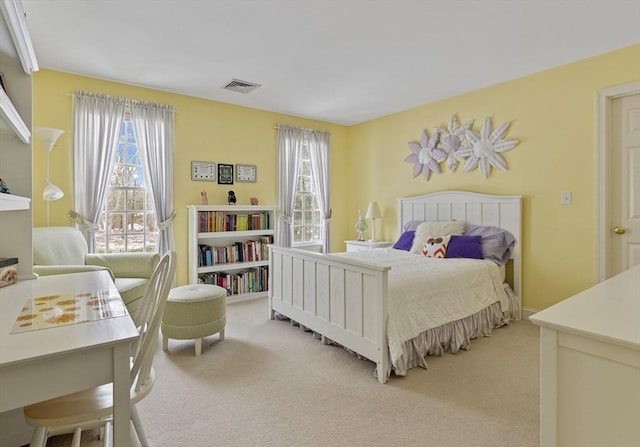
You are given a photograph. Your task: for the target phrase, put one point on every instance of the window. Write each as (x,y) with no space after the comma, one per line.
(128,222)
(307,220)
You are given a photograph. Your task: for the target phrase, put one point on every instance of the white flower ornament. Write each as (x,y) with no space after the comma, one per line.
(485,147)
(451,139)
(425,155)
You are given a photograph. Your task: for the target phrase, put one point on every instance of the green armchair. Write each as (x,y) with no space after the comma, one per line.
(58,250)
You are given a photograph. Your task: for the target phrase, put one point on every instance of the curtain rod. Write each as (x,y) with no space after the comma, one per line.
(127,99)
(305,129)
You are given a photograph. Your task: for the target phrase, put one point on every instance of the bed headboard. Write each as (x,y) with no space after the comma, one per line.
(479,209)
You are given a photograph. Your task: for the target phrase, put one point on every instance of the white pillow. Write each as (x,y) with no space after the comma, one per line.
(433,228)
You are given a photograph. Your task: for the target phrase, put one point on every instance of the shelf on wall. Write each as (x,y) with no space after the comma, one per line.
(11,202)
(10,120)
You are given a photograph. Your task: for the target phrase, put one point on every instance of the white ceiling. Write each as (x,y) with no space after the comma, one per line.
(343,62)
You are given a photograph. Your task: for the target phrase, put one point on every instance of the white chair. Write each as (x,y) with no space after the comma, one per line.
(94,407)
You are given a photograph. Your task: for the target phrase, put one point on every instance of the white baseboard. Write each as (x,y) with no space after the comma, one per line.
(527,312)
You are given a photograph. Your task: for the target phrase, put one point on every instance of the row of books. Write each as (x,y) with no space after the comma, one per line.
(238,283)
(216,221)
(246,251)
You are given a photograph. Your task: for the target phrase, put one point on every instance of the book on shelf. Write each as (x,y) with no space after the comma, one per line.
(239,251)
(252,280)
(218,221)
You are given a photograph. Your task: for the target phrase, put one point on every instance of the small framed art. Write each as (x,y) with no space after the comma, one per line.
(203,170)
(225,174)
(246,173)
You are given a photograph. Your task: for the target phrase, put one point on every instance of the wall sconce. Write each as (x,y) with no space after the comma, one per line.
(48,137)
(373,213)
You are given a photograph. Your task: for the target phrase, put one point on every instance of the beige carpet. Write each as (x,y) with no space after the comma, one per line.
(271,384)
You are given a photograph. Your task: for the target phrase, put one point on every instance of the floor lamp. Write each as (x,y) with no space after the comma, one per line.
(373,213)
(48,137)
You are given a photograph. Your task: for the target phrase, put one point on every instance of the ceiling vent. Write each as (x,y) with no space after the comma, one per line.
(237,85)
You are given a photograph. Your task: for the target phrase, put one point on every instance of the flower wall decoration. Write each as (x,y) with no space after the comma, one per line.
(452,139)
(459,143)
(485,148)
(425,156)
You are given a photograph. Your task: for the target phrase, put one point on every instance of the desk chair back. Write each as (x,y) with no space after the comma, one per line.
(148,317)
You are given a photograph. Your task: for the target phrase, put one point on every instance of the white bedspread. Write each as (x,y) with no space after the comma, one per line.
(425,293)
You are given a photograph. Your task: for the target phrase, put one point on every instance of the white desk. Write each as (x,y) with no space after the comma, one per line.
(47,363)
(590,366)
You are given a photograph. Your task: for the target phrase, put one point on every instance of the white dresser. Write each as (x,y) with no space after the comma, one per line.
(590,366)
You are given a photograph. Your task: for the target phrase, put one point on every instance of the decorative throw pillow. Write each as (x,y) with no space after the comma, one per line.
(465,247)
(436,246)
(433,228)
(404,241)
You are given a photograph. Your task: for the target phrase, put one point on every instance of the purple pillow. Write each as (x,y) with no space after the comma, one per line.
(405,241)
(412,225)
(464,247)
(496,243)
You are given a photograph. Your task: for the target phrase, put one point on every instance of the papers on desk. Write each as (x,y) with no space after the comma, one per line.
(60,310)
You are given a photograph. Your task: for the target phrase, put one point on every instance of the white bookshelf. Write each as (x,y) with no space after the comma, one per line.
(238,259)
(16,217)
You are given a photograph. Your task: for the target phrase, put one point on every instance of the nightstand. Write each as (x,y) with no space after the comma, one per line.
(356,245)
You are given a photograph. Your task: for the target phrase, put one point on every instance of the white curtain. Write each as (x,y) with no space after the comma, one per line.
(290,140)
(97,120)
(153,127)
(319,155)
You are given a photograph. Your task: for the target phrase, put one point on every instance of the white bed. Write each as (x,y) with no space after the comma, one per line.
(347,301)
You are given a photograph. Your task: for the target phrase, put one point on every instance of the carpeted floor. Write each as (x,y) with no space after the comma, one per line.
(271,384)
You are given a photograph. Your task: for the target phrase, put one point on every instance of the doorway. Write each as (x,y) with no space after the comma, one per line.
(608,171)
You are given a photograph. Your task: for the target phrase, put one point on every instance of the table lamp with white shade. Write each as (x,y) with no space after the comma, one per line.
(373,213)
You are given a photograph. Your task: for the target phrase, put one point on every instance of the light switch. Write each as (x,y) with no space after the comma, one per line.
(565,198)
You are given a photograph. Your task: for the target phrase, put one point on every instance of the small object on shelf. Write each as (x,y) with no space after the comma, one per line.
(8,271)
(231,198)
(361,226)
(253,200)
(204,200)
(3,187)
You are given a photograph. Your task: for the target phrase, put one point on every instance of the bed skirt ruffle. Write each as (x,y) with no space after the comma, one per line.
(450,337)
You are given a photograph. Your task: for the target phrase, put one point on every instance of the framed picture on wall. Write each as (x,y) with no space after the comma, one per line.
(246,173)
(225,174)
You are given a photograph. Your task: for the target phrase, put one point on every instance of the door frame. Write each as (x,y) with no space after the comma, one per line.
(604,97)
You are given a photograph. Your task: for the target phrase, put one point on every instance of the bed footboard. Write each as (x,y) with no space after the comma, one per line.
(341,299)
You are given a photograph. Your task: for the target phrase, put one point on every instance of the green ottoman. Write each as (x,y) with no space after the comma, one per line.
(193,312)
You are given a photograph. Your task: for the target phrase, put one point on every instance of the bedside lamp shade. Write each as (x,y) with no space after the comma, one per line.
(373,213)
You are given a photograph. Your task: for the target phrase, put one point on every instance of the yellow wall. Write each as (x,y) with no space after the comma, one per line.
(553,115)
(204,130)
